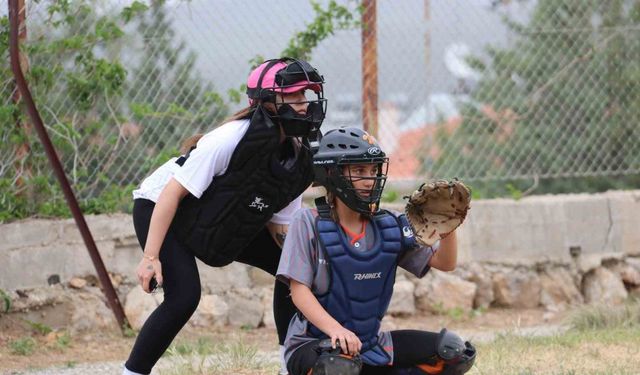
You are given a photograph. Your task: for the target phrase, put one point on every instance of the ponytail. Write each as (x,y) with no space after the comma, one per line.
(191,142)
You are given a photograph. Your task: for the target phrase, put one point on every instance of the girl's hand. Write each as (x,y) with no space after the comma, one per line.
(147,269)
(349,342)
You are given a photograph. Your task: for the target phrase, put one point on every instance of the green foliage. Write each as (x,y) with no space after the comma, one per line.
(168,72)
(23,346)
(127,331)
(49,201)
(103,117)
(457,313)
(203,346)
(389,195)
(39,328)
(516,189)
(6,301)
(136,9)
(558,102)
(111,121)
(63,342)
(325,23)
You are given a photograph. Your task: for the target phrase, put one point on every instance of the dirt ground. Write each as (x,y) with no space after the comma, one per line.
(110,345)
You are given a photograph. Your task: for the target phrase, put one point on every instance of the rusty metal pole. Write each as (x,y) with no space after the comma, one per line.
(369,68)
(22,36)
(14,50)
(22,150)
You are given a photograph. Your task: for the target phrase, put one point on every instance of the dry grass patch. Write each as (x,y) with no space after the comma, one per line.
(605,352)
(601,341)
(204,357)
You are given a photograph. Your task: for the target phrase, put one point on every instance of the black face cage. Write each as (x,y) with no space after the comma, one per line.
(353,197)
(293,123)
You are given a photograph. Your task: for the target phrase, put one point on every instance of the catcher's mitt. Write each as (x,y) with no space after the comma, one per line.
(437,209)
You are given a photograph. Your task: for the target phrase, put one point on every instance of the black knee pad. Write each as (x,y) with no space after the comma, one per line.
(458,355)
(333,362)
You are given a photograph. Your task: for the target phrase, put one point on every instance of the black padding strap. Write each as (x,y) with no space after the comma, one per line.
(324,210)
(180,161)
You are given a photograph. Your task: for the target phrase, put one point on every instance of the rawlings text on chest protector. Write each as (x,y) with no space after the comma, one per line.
(237,205)
(361,282)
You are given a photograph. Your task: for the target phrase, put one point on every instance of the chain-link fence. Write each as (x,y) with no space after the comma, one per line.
(482,90)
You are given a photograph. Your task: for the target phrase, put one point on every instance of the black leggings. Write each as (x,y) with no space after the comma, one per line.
(410,348)
(182,289)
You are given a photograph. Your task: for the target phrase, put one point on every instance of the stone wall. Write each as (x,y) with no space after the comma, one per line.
(550,251)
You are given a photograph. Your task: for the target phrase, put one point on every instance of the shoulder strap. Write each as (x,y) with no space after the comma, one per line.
(324,211)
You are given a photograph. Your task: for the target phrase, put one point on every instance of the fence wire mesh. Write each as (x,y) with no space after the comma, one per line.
(481,90)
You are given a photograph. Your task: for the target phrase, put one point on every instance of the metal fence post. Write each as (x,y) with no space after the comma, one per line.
(369,68)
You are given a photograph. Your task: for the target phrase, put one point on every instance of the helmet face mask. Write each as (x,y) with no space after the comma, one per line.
(339,151)
(279,77)
(296,125)
(363,200)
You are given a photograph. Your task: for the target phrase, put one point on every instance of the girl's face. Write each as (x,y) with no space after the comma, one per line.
(362,177)
(297,100)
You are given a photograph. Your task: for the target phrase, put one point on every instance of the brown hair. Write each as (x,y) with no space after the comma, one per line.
(190,142)
(331,200)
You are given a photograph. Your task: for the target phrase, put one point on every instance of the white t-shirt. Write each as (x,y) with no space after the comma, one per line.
(209,159)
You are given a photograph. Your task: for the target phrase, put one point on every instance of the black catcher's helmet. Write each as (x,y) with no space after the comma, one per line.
(346,146)
(284,76)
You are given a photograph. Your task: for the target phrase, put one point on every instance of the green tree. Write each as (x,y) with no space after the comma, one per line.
(115,103)
(91,102)
(560,104)
(169,99)
(74,84)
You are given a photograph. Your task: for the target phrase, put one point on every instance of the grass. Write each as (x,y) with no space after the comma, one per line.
(63,341)
(203,346)
(457,313)
(205,357)
(41,339)
(604,317)
(23,346)
(39,328)
(6,301)
(601,341)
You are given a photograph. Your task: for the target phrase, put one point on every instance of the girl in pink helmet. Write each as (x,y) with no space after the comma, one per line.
(230,197)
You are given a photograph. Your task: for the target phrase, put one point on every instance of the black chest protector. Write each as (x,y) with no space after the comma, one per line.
(237,205)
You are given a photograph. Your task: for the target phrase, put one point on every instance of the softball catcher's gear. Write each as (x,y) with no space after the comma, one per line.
(347,146)
(333,362)
(454,357)
(284,76)
(436,209)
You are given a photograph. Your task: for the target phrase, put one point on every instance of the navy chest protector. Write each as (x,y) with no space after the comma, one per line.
(361,282)
(237,205)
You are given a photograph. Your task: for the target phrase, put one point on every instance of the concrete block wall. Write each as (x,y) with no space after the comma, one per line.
(538,229)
